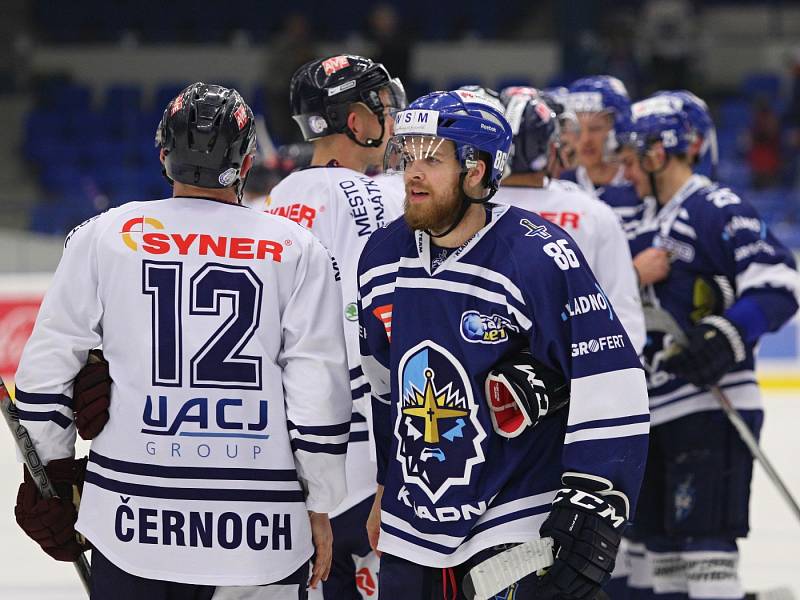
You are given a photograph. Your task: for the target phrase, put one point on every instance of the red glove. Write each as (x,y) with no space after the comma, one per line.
(51,522)
(91,396)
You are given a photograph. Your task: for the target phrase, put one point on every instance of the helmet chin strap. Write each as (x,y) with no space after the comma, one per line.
(466,201)
(651,175)
(240,186)
(369,142)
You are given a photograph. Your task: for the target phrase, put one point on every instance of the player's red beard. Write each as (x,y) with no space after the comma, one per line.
(430,210)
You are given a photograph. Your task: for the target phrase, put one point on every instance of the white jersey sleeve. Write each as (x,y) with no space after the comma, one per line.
(311,362)
(617,276)
(342,208)
(69,324)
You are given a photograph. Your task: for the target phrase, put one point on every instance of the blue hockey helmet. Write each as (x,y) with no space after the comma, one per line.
(661,118)
(600,94)
(535,127)
(473,122)
(701,123)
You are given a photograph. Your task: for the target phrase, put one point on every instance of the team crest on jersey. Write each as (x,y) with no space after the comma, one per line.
(478,328)
(437,427)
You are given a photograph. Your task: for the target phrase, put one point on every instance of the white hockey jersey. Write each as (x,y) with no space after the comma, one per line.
(343,207)
(229,415)
(598,232)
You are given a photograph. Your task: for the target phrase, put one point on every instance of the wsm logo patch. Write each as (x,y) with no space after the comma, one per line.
(478,328)
(437,424)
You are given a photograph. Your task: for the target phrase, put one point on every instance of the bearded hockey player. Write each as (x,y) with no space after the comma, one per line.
(592,224)
(602,107)
(730,282)
(345,107)
(219,461)
(464,340)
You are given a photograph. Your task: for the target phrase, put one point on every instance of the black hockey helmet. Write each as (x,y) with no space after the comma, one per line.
(536,131)
(321,92)
(206,132)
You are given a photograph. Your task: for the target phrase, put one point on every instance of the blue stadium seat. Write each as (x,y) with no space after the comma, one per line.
(58,179)
(761,84)
(734,113)
(734,172)
(123,97)
(166,92)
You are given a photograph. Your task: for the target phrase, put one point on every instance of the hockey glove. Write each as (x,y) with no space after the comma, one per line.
(521,391)
(715,345)
(586,527)
(91,394)
(51,522)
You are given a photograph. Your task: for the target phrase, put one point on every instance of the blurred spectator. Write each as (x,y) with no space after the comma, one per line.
(294,47)
(764,154)
(391,45)
(620,58)
(667,36)
(792,119)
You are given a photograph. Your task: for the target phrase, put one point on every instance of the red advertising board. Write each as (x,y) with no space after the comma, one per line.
(17,316)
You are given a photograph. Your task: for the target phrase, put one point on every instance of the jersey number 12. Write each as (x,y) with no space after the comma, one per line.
(219,362)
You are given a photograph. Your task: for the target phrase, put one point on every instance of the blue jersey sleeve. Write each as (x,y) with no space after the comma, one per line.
(576,330)
(760,268)
(376,281)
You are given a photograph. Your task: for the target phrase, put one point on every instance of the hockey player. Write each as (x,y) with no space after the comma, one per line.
(602,107)
(730,282)
(345,107)
(219,461)
(652,263)
(557,99)
(592,224)
(463,325)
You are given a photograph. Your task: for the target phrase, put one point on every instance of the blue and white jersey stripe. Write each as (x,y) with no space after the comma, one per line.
(193,483)
(44,407)
(326,439)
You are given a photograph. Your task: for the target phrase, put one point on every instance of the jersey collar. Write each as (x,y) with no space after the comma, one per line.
(582,177)
(669,213)
(423,242)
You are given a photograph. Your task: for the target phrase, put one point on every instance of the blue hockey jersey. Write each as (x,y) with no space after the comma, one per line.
(620,195)
(453,486)
(724,261)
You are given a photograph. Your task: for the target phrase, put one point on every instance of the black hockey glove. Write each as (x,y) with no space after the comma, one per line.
(586,524)
(51,522)
(521,391)
(91,396)
(715,346)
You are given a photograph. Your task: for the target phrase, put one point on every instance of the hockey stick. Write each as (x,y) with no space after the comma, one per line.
(35,467)
(490,577)
(659,320)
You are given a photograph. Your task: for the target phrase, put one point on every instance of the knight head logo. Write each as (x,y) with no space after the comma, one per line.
(437,427)
(136,226)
